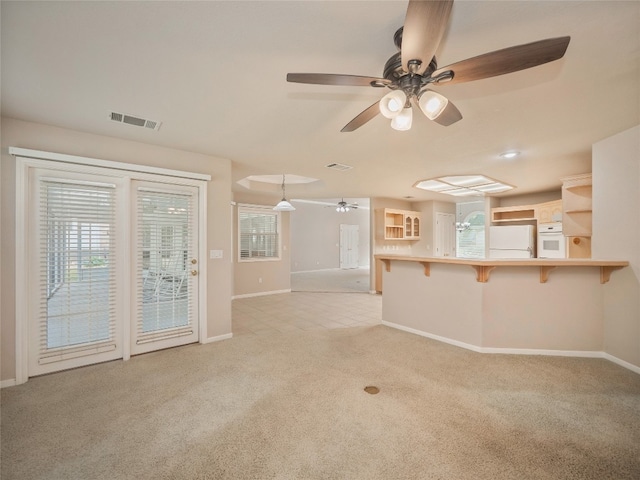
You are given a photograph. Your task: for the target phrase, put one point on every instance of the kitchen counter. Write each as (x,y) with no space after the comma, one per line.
(484,266)
(532,306)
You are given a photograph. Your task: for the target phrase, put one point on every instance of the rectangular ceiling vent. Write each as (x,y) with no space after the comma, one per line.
(339,166)
(137,121)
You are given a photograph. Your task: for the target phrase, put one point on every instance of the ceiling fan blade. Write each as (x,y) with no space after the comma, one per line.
(337,79)
(362,118)
(507,60)
(449,115)
(424,27)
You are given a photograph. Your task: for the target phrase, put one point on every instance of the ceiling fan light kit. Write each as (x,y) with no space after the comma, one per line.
(432,103)
(414,67)
(344,207)
(393,103)
(403,120)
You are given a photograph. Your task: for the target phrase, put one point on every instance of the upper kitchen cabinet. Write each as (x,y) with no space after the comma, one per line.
(540,212)
(394,224)
(549,212)
(577,205)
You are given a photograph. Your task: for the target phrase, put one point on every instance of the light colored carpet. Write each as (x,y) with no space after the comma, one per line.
(292,406)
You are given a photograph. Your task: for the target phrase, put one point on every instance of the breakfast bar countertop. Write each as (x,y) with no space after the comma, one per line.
(483,266)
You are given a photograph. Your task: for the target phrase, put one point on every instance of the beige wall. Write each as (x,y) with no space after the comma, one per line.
(530,198)
(512,311)
(315,236)
(42,137)
(616,235)
(267,276)
(572,312)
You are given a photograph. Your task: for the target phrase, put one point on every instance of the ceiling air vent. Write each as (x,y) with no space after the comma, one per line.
(339,166)
(137,121)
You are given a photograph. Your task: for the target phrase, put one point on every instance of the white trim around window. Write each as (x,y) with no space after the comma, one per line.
(259,234)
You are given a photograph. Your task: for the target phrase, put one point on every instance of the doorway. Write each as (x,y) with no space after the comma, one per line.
(445,235)
(349,245)
(111,265)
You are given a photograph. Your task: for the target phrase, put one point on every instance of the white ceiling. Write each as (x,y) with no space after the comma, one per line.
(214,74)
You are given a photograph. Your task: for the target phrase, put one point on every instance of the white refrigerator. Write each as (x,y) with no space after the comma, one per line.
(512,241)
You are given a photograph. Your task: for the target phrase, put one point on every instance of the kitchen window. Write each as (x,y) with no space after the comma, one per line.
(258,234)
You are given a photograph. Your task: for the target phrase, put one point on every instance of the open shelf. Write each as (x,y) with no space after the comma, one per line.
(398,224)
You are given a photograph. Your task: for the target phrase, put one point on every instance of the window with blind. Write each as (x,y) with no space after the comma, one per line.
(470,241)
(77,251)
(258,233)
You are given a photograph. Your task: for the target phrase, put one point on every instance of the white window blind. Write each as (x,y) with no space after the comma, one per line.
(164,239)
(78,280)
(258,231)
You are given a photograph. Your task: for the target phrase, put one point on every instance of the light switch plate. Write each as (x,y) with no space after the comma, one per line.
(215,253)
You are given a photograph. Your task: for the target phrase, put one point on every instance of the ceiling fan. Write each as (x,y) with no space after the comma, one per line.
(410,72)
(345,207)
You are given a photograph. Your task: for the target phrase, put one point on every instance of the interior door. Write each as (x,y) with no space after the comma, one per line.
(445,235)
(349,245)
(165,266)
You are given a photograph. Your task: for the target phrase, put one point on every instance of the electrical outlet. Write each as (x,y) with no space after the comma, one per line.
(259,279)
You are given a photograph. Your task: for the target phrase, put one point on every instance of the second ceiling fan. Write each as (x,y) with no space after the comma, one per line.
(413,69)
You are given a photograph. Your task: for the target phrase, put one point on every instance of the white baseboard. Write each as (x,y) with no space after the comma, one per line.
(518,351)
(260,294)
(622,363)
(450,341)
(217,338)
(8,383)
(332,269)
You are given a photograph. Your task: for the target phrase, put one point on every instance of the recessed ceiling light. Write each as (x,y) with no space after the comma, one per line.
(509,155)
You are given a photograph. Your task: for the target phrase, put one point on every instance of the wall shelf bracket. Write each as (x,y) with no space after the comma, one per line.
(544,273)
(427,268)
(605,272)
(482,272)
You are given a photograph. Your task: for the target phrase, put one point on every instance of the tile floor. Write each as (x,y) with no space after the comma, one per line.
(332,280)
(298,311)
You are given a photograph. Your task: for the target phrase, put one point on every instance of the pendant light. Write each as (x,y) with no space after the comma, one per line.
(283,205)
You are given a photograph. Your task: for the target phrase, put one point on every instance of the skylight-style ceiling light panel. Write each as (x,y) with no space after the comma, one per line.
(493,188)
(433,185)
(467,180)
(463,185)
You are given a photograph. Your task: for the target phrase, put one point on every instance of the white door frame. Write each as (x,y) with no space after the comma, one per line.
(349,230)
(27,159)
(445,223)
